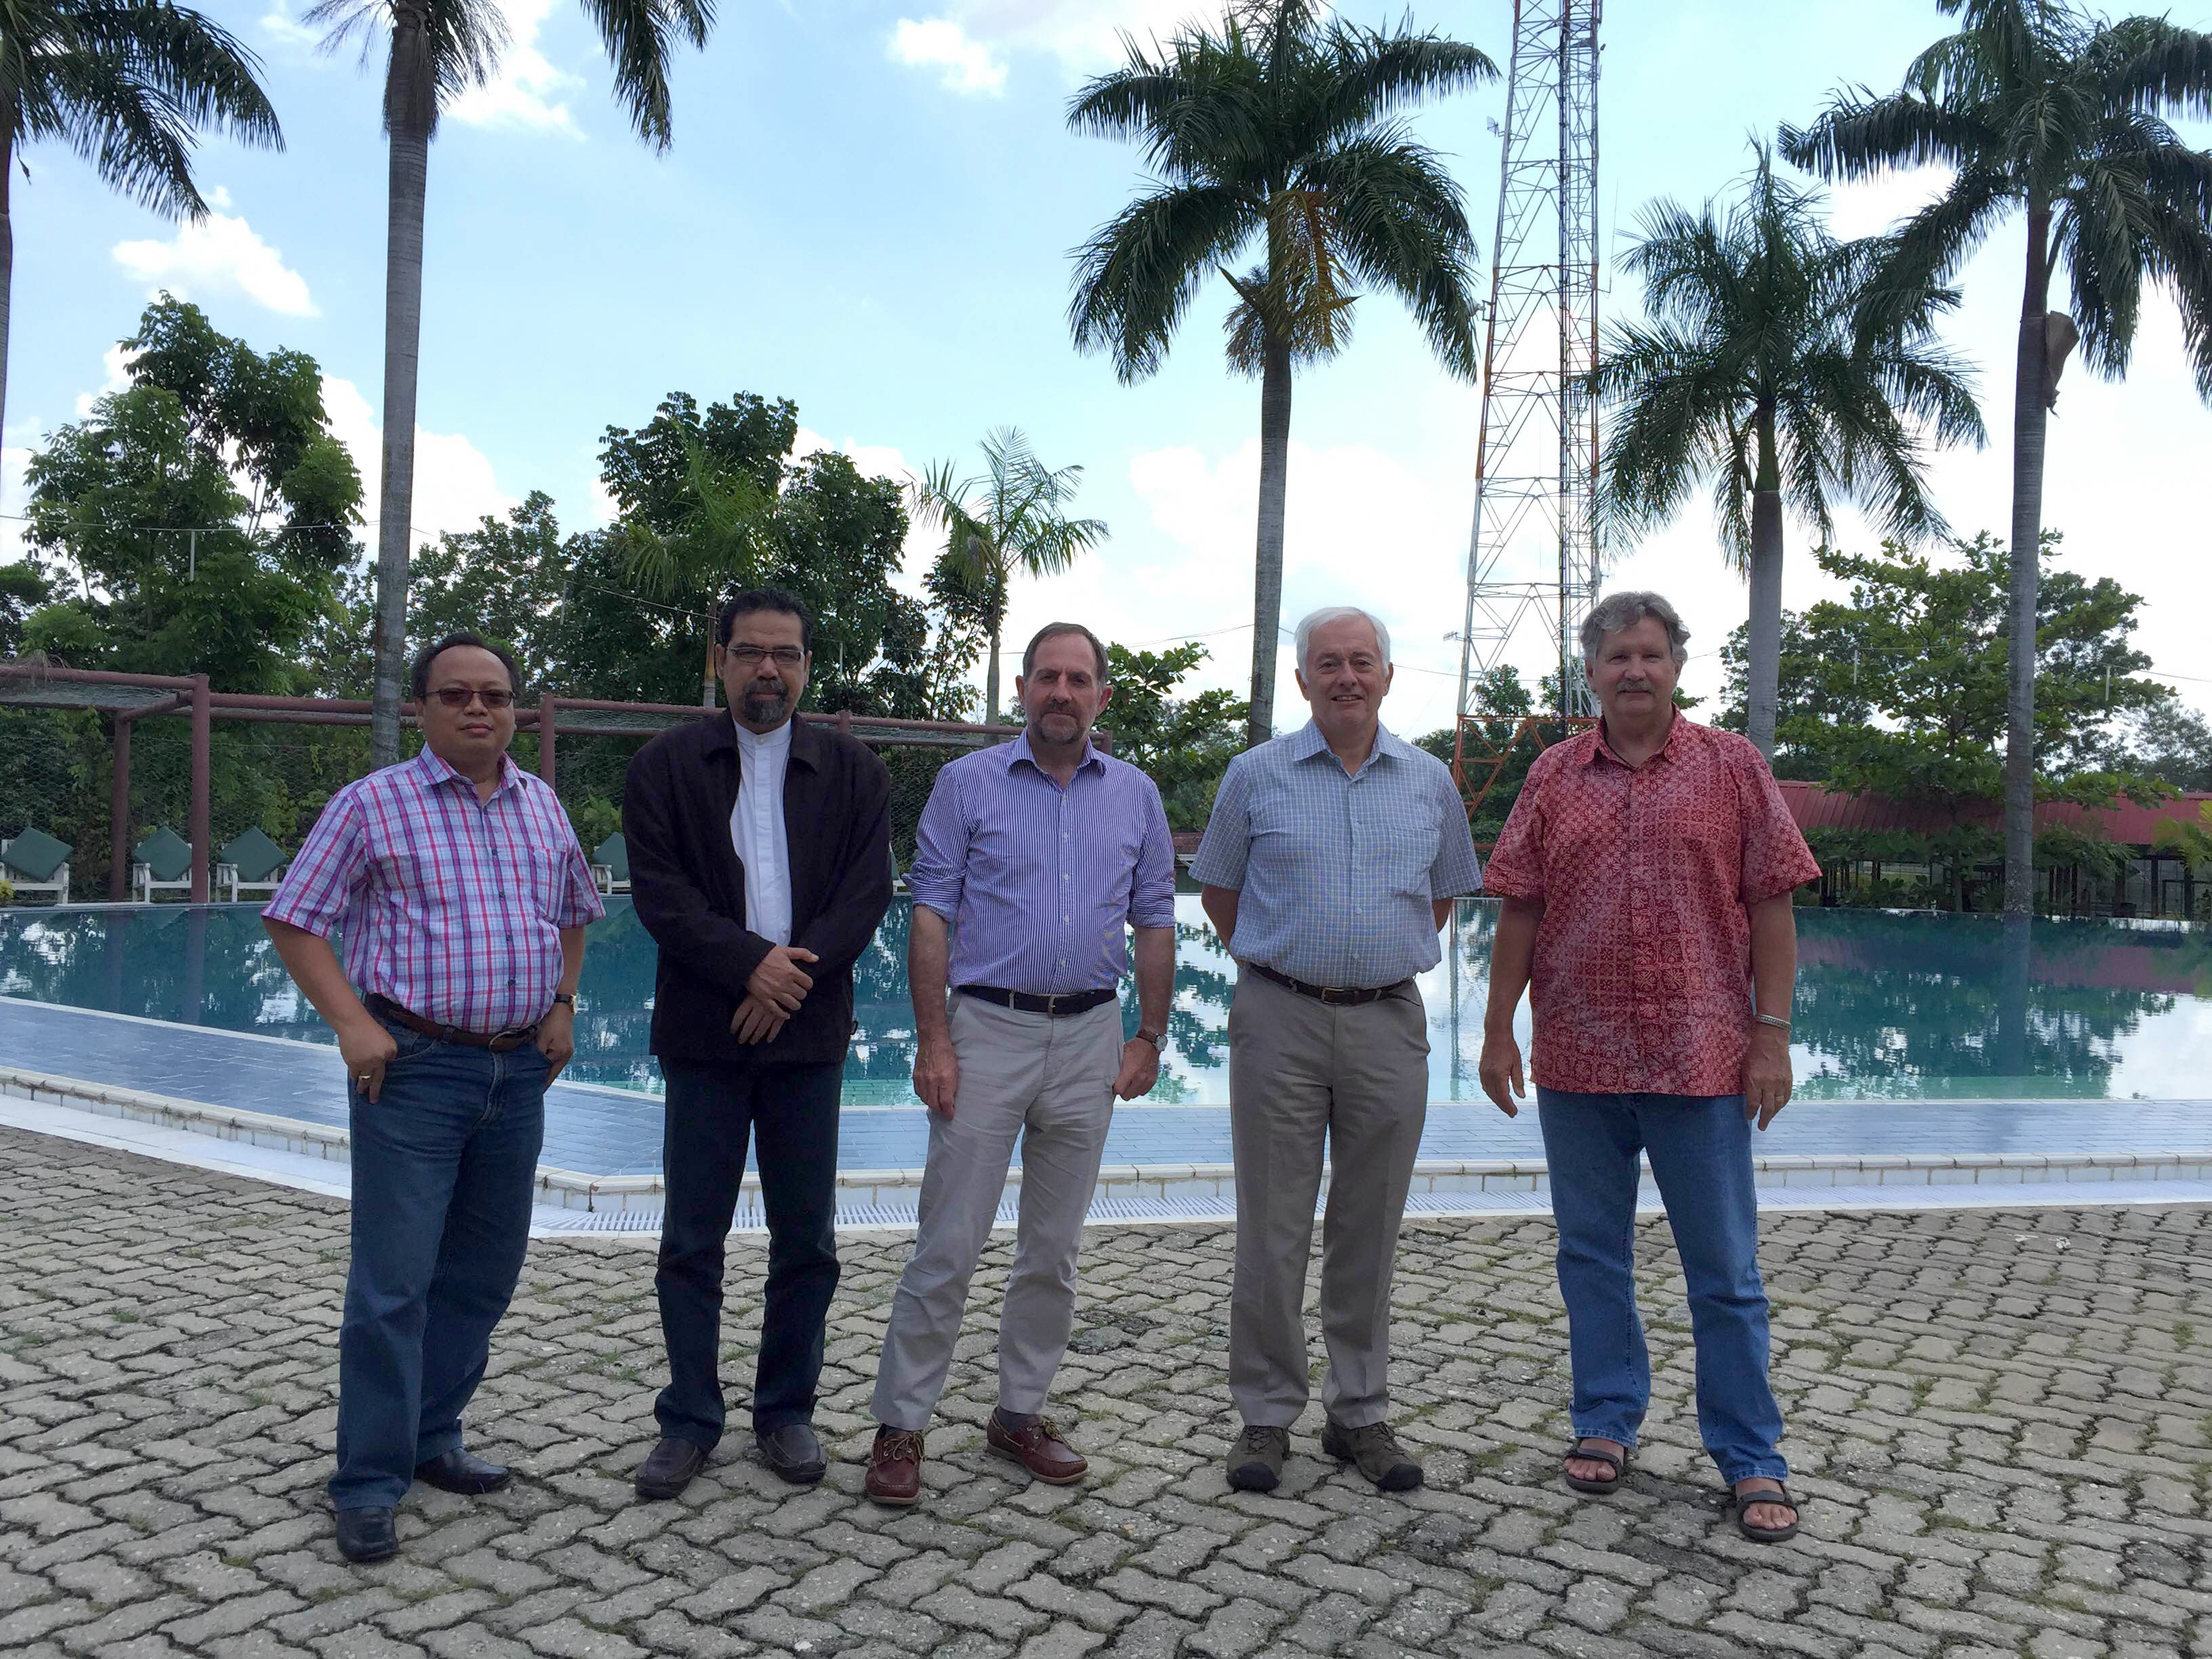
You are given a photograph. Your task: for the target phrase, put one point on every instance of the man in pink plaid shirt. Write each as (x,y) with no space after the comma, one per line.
(462,896)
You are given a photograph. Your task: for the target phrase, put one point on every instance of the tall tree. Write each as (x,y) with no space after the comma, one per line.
(1278,127)
(129,85)
(2036,105)
(1749,375)
(439,49)
(1009,519)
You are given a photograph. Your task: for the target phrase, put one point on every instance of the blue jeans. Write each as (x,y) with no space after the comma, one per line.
(1700,1152)
(790,1113)
(445,1161)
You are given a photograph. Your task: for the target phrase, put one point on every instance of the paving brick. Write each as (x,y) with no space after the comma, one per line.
(1995,1435)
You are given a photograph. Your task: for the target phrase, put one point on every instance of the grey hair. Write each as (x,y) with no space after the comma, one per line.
(1337,613)
(1617,611)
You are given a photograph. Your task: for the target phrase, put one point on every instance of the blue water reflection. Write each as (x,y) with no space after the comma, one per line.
(1889,1005)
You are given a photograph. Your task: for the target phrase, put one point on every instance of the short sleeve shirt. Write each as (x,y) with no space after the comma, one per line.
(449,906)
(1642,976)
(1336,872)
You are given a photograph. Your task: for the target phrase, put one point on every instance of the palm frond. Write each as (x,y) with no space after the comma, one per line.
(1138,274)
(1860,134)
(1400,221)
(1371,74)
(641,38)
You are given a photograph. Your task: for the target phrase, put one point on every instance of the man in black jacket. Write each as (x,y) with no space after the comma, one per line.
(760,862)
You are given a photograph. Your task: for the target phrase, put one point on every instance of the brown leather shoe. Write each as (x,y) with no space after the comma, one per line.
(895,1468)
(1039,1450)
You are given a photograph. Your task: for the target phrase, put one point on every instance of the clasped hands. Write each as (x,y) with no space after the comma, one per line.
(773,994)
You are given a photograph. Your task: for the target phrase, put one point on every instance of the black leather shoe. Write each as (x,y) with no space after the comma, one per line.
(668,1468)
(457,1471)
(792,1452)
(367,1535)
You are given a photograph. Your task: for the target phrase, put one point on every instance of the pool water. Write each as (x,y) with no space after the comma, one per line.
(1889,1005)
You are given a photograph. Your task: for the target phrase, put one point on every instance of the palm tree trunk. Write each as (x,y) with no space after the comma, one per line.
(2028,419)
(1763,669)
(403,334)
(991,678)
(7,248)
(1267,561)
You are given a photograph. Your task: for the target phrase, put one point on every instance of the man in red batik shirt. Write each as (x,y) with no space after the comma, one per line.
(1647,870)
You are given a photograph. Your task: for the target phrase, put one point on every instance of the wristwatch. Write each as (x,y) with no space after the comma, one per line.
(564,996)
(1153,1037)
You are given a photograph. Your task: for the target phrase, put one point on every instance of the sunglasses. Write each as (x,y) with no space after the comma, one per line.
(459,696)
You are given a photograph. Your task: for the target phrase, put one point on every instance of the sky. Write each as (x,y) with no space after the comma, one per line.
(868,208)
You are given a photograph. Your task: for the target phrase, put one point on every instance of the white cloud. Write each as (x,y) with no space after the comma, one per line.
(968,66)
(453,481)
(524,91)
(116,363)
(972,42)
(219,255)
(286,30)
(1362,529)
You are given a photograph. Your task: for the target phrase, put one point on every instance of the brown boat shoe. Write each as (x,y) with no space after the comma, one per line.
(1038,1449)
(895,1468)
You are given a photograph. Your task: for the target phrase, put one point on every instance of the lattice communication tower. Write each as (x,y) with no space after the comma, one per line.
(1535,550)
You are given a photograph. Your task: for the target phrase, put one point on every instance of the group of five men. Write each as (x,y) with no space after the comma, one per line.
(1646,868)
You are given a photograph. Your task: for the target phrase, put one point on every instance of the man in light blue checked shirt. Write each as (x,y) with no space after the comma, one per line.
(1331,860)
(1033,861)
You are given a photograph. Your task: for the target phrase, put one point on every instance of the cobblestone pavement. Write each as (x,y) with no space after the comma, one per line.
(2003,1423)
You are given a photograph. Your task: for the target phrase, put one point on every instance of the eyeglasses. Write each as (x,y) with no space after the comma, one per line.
(459,696)
(751,656)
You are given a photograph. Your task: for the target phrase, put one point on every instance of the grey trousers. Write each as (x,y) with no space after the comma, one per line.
(1301,1071)
(1051,1083)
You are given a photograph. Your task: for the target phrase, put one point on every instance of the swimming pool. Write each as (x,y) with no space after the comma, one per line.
(1889,1005)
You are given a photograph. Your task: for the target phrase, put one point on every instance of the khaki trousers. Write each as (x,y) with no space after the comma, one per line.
(1050,1082)
(1301,1072)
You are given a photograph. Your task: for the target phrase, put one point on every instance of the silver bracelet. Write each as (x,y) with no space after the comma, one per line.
(1769,1019)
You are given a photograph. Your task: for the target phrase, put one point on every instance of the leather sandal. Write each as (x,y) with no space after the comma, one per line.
(1740,1503)
(1581,1452)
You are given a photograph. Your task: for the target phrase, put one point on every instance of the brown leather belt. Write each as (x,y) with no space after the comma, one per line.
(1337,996)
(499,1042)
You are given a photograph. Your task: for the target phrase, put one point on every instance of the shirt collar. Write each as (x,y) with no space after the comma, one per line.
(1599,747)
(436,770)
(1307,741)
(1019,750)
(779,738)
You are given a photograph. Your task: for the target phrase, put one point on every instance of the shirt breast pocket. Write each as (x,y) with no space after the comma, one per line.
(1409,853)
(415,880)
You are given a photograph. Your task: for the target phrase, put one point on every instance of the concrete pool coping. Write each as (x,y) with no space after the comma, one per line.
(892,1192)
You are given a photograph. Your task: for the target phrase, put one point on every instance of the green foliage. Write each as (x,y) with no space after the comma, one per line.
(1754,374)
(23,589)
(1900,689)
(1279,131)
(2191,842)
(1183,743)
(114,500)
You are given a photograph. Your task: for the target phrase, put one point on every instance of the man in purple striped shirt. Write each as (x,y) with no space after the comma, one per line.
(462,896)
(1031,859)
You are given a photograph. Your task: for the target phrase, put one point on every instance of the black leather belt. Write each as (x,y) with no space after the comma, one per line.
(499,1042)
(1337,996)
(1059,1007)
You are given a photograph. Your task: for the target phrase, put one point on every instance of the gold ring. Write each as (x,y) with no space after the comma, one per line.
(362,1079)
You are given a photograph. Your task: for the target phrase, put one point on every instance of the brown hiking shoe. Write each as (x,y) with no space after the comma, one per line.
(1039,1450)
(1255,1461)
(1377,1453)
(895,1468)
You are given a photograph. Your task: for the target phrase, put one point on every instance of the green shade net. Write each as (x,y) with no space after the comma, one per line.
(613,853)
(36,855)
(254,856)
(166,854)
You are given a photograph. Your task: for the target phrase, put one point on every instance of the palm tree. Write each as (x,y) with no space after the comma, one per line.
(2035,104)
(128,85)
(439,49)
(1279,128)
(1749,374)
(1010,519)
